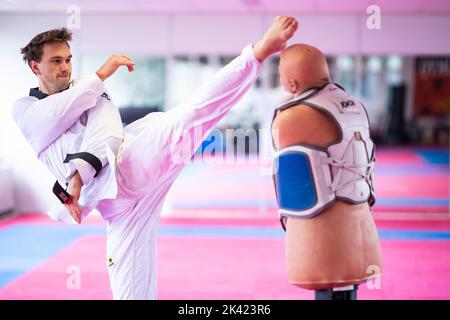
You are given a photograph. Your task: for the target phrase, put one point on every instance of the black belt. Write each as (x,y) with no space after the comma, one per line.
(58,190)
(89,158)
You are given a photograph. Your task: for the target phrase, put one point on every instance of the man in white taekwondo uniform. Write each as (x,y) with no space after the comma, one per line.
(75,130)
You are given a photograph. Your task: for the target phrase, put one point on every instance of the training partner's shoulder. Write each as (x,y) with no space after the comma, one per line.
(295,124)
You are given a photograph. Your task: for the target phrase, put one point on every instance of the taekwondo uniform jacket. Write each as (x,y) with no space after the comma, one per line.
(67,137)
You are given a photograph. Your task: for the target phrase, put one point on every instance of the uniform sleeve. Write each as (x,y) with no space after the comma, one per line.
(86,170)
(43,121)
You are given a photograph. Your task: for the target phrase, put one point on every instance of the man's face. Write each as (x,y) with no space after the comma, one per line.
(55,68)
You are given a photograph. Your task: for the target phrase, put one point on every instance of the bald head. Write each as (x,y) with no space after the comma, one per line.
(302,66)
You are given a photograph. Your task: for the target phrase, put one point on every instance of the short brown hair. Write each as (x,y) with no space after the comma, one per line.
(33,50)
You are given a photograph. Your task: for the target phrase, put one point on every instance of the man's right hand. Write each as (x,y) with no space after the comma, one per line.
(111,65)
(74,189)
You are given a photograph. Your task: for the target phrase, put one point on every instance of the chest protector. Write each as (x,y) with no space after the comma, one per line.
(308,179)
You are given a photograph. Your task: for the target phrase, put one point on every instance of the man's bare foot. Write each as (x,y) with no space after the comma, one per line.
(275,39)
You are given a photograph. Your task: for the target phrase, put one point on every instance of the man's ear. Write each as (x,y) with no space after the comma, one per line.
(293,85)
(34,67)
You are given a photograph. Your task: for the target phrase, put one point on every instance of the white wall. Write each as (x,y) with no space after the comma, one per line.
(167,35)
(32,180)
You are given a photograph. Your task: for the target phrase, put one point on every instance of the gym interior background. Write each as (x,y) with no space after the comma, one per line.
(221,218)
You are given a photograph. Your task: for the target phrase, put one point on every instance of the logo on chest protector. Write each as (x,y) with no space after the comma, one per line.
(106,96)
(348,106)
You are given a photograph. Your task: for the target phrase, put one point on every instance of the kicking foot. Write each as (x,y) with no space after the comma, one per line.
(275,39)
